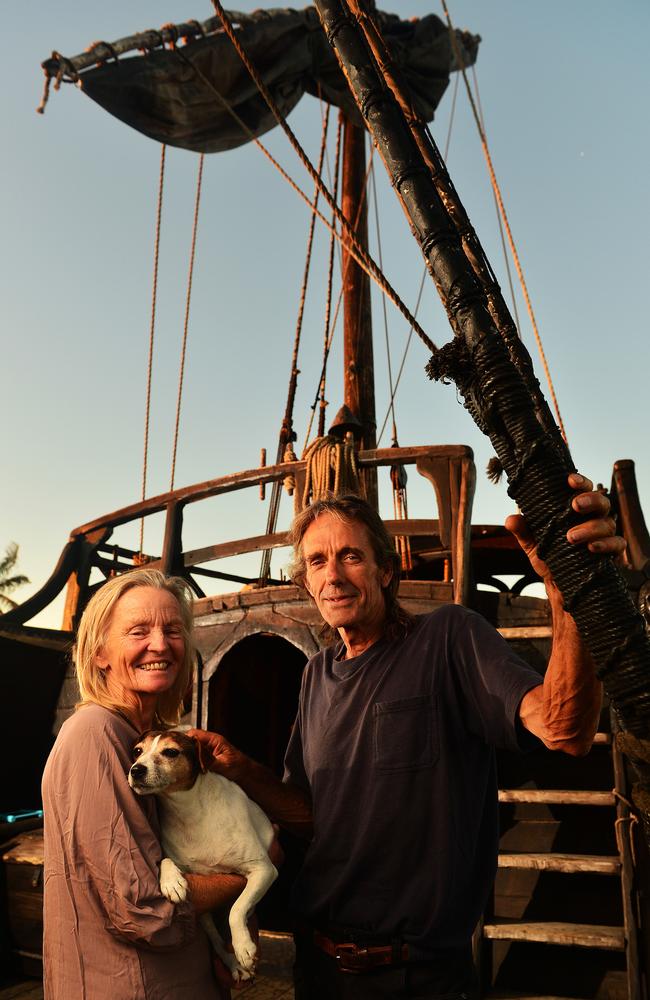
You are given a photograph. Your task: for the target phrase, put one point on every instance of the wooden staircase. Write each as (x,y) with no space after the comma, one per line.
(564,920)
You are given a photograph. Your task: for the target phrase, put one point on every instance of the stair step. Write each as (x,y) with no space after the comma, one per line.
(603,738)
(550,932)
(556,797)
(502,995)
(603,864)
(526,632)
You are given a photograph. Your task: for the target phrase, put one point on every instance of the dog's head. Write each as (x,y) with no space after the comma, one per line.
(165,762)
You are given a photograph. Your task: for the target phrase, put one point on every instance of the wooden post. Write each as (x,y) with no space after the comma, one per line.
(358,366)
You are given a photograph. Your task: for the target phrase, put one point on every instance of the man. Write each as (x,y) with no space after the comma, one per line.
(393,748)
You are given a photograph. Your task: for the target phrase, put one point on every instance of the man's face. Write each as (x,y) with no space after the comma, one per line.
(343,576)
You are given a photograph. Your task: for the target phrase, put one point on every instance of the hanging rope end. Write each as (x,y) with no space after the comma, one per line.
(451,363)
(494,470)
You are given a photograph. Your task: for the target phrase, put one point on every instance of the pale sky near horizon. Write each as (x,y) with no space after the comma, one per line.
(564,90)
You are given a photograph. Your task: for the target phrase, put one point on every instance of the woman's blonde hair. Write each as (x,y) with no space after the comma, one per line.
(91,636)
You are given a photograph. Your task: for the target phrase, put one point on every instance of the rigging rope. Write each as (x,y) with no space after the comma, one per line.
(188,298)
(502,211)
(383,303)
(330,276)
(506,258)
(286,431)
(350,242)
(152,328)
(390,409)
(362,202)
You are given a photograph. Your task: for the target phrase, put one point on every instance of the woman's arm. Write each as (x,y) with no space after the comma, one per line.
(99,841)
(210,892)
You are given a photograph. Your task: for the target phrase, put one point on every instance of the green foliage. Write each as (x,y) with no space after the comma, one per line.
(9,580)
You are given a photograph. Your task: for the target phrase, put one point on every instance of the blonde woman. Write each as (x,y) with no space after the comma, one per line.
(108,930)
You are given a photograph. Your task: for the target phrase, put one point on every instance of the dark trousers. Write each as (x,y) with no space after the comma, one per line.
(317,976)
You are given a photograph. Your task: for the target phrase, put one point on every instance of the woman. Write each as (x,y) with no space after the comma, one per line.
(108,930)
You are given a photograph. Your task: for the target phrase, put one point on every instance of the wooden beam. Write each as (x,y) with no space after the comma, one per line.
(253,477)
(223,550)
(358,362)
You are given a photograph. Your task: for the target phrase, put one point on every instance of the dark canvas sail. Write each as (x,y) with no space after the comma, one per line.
(169,93)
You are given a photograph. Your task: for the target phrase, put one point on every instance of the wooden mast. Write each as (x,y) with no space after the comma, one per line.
(358,366)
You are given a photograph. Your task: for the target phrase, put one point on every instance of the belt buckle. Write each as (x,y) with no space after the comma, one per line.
(351,958)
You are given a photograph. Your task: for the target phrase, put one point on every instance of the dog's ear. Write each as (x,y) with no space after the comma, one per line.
(202,754)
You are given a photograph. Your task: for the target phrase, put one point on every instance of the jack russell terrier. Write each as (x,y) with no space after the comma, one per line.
(208,824)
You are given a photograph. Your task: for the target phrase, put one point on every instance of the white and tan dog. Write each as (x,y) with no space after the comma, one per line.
(208,824)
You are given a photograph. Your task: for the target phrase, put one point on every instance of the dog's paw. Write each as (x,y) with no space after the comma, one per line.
(172,883)
(241,975)
(245,953)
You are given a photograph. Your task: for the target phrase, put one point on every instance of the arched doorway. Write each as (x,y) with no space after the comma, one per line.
(252,700)
(253,696)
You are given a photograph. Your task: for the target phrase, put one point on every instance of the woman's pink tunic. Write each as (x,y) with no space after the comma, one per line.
(109,933)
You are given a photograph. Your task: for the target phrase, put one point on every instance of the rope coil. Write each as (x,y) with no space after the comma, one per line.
(332,467)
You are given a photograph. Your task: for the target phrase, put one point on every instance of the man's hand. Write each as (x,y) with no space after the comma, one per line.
(598,532)
(219,755)
(286,804)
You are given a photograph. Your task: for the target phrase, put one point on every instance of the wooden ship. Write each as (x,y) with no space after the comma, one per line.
(570,914)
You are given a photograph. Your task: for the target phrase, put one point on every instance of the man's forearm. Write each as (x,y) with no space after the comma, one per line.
(284,804)
(564,711)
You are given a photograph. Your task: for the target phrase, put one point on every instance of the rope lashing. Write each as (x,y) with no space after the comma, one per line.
(289,481)
(152,328)
(398,478)
(332,467)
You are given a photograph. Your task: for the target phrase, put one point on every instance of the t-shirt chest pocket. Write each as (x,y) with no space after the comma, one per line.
(405,733)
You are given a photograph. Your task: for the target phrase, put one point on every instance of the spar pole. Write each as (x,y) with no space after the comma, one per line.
(526,439)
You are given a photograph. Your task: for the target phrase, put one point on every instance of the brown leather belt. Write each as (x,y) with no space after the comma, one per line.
(353,957)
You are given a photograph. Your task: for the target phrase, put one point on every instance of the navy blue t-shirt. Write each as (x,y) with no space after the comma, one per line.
(396,747)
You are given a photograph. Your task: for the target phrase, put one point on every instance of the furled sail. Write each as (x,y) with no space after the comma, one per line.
(181,95)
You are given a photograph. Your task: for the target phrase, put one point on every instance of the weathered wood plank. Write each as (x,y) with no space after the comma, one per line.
(526,632)
(603,865)
(580,935)
(237,547)
(255,543)
(500,995)
(556,796)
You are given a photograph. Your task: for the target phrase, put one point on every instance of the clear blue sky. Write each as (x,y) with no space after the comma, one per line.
(564,90)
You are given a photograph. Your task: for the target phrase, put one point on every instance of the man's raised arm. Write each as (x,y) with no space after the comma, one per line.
(564,711)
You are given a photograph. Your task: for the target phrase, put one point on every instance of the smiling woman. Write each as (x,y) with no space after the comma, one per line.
(134,649)
(109,931)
